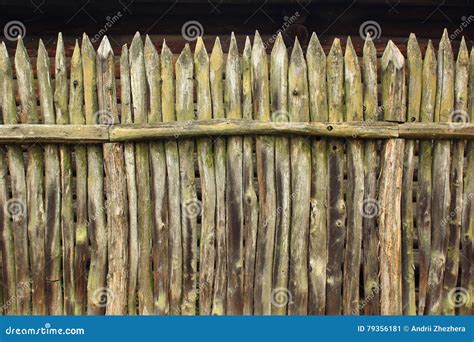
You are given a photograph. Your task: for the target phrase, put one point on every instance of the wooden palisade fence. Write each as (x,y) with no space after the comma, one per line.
(237,183)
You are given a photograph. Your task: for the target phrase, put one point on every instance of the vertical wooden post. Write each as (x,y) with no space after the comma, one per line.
(129,155)
(216,66)
(96,281)
(54,294)
(175,265)
(279,108)
(67,210)
(355,183)
(467,264)
(145,226)
(318,229)
(300,156)
(371,208)
(250,196)
(457,167)
(35,182)
(265,151)
(423,199)
(116,189)
(441,196)
(158,173)
(18,183)
(390,187)
(190,206)
(76,97)
(414,65)
(336,203)
(208,182)
(234,209)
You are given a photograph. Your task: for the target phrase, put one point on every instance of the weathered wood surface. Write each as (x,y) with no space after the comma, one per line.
(414,67)
(157,208)
(336,202)
(390,185)
(34,184)
(441,192)
(115,300)
(370,233)
(318,251)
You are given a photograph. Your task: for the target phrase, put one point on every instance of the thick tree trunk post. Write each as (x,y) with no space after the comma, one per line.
(173,248)
(67,210)
(300,156)
(18,184)
(96,292)
(370,234)
(216,65)
(458,117)
(144,204)
(54,294)
(190,206)
(76,97)
(158,173)
(414,66)
(336,203)
(390,187)
(318,228)
(35,183)
(129,155)
(441,196)
(265,148)
(208,182)
(279,108)
(250,196)
(116,189)
(355,184)
(423,198)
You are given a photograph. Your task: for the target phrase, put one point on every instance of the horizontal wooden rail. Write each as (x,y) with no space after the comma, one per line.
(90,134)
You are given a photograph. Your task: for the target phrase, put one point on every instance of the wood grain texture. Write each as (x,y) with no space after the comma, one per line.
(423,215)
(18,185)
(234,196)
(279,109)
(142,167)
(414,68)
(171,303)
(441,195)
(265,153)
(300,156)
(191,207)
(116,189)
(390,185)
(158,174)
(52,180)
(336,202)
(355,184)
(34,184)
(370,234)
(208,182)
